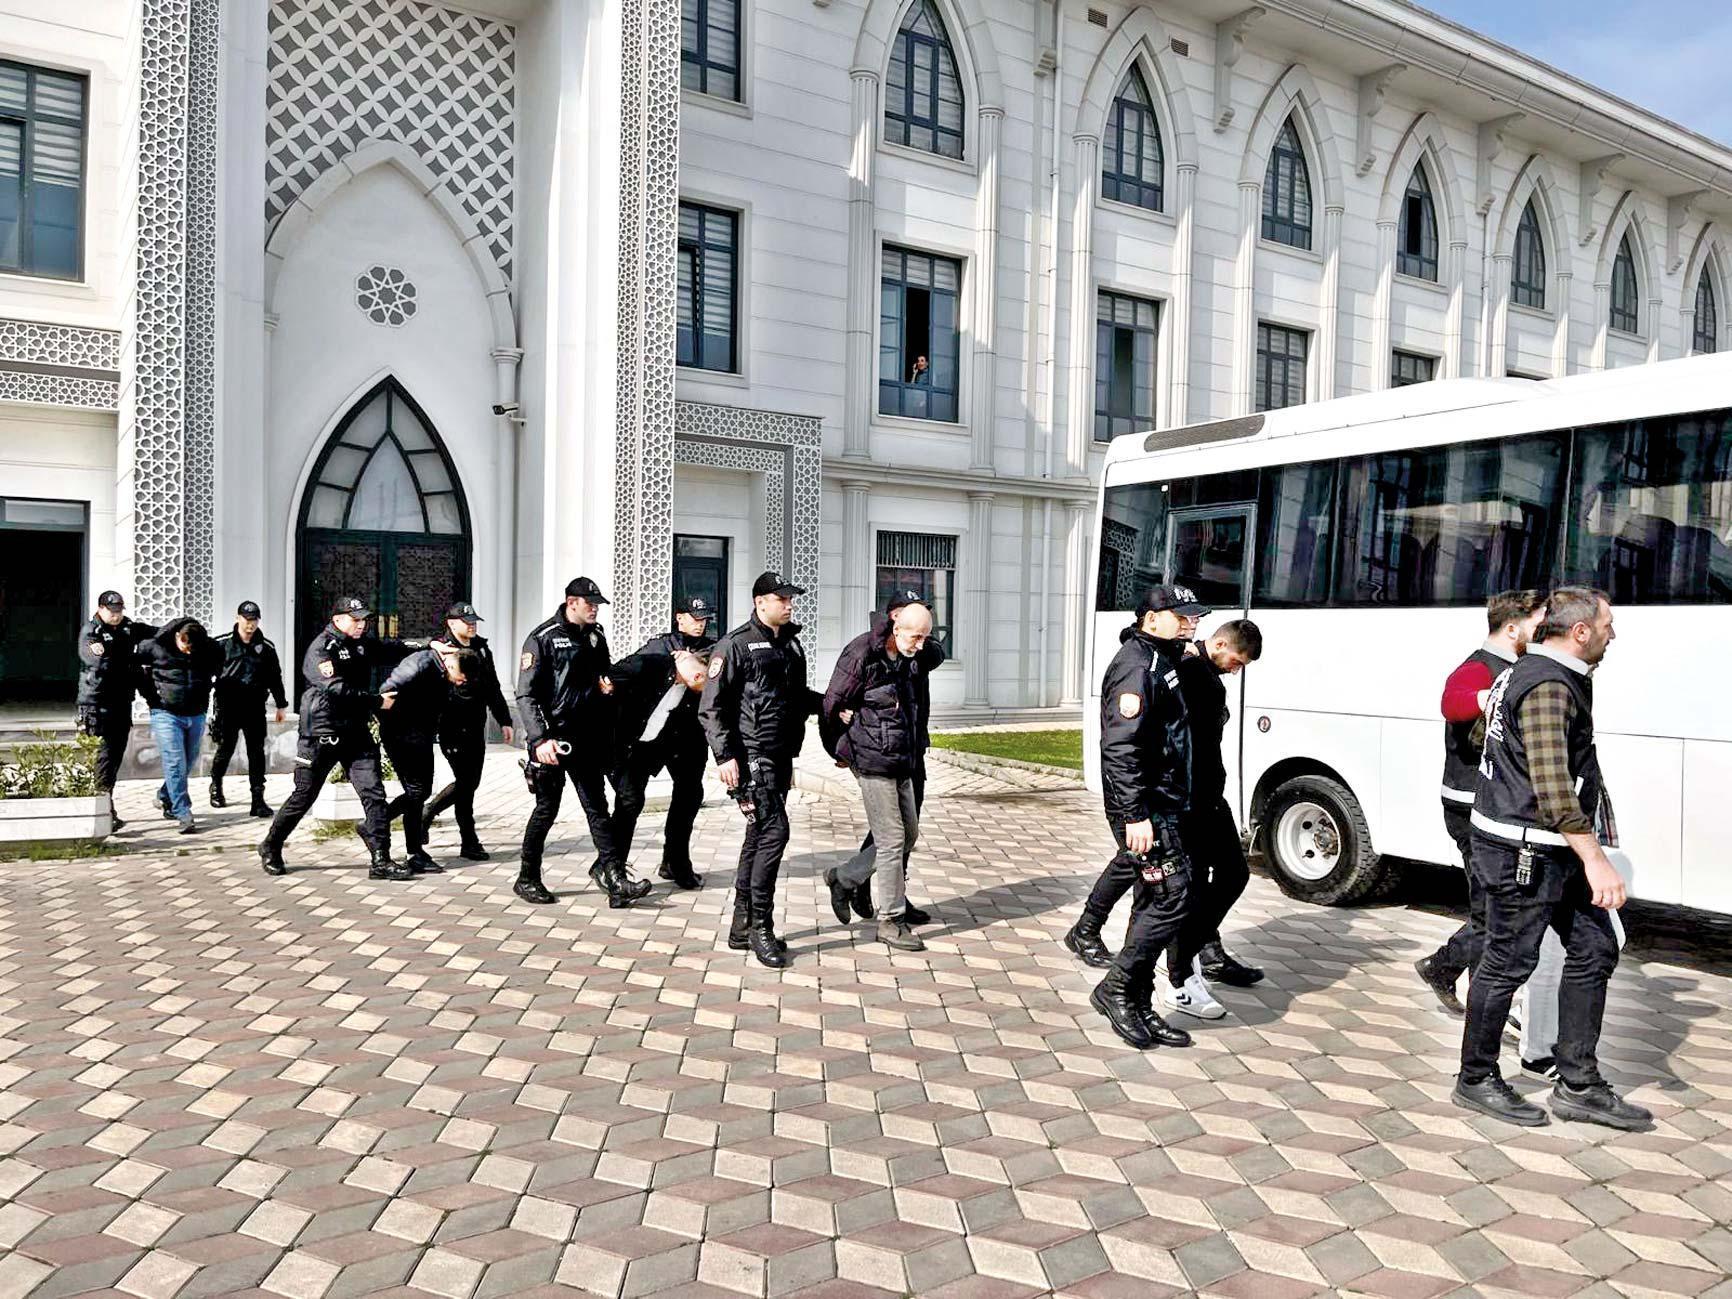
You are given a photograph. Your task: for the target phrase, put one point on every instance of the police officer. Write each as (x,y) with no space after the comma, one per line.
(562,699)
(1541,867)
(423,686)
(651,689)
(337,701)
(1145,776)
(107,648)
(681,747)
(1511,618)
(754,713)
(250,671)
(463,727)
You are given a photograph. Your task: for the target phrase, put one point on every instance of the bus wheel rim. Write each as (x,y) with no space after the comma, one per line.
(1308,842)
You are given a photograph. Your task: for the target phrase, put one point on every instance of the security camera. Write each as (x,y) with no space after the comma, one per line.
(506,408)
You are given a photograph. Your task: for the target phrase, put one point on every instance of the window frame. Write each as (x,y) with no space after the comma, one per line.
(1104,295)
(952,646)
(1280,223)
(736,219)
(1624,277)
(905,359)
(1398,355)
(1260,375)
(705,64)
(1115,180)
(1528,291)
(1711,334)
(902,118)
(27,123)
(1423,263)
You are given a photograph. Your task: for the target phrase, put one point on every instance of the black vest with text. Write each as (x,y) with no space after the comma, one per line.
(1504,791)
(1460,745)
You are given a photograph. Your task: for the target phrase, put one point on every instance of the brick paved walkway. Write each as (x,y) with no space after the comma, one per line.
(212,1081)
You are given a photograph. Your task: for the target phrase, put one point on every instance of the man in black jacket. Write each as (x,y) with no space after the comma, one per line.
(107,681)
(1146,780)
(878,692)
(651,690)
(463,727)
(423,686)
(754,712)
(250,672)
(562,699)
(337,702)
(176,669)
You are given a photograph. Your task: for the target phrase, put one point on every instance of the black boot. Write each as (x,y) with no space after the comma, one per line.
(1084,940)
(259,807)
(913,915)
(271,858)
(530,888)
(473,851)
(216,792)
(1112,997)
(841,897)
(611,881)
(1441,982)
(1219,967)
(742,926)
(861,901)
(769,949)
(633,890)
(384,868)
(419,862)
(166,806)
(1163,1033)
(681,875)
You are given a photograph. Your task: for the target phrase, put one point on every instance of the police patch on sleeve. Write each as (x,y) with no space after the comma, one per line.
(327,668)
(525,661)
(1130,704)
(96,648)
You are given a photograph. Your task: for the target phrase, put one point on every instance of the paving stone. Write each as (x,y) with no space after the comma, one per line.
(767,1259)
(1036,1253)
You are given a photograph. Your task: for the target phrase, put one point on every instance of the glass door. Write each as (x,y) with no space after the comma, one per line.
(701,569)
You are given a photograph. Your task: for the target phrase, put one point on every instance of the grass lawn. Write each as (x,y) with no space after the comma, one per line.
(1054,748)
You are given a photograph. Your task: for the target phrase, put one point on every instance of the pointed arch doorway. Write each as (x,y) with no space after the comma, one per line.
(384,518)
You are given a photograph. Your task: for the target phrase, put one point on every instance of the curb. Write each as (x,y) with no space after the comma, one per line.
(1011,770)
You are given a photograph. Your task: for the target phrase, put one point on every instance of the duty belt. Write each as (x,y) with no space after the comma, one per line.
(1516,833)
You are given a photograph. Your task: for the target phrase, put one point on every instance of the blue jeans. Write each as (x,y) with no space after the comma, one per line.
(177,742)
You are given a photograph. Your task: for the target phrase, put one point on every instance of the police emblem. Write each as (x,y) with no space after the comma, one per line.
(96,648)
(1130,704)
(594,640)
(327,668)
(525,661)
(715,665)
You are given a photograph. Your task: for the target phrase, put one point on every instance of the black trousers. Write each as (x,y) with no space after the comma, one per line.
(465,753)
(1121,873)
(1516,918)
(112,731)
(1157,913)
(767,832)
(548,785)
(238,715)
(1219,875)
(1462,950)
(631,777)
(412,756)
(314,759)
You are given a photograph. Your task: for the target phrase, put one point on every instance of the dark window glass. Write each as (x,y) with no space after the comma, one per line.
(1125,336)
(1133,545)
(918,322)
(41,171)
(1287,192)
(1281,355)
(1705,326)
(707,313)
(710,47)
(1416,240)
(1131,170)
(1527,275)
(1624,314)
(1651,509)
(1449,525)
(1410,367)
(922,94)
(925,564)
(1294,503)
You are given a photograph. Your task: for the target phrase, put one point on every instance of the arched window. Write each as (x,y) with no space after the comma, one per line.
(1131,171)
(1624,314)
(923,96)
(1705,335)
(1416,240)
(1287,192)
(1527,275)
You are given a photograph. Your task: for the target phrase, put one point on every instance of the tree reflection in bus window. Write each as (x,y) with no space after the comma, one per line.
(1651,512)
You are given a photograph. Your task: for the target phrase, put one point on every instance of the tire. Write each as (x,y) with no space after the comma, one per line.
(1302,818)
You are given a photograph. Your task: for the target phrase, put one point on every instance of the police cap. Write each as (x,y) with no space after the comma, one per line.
(771,582)
(585,587)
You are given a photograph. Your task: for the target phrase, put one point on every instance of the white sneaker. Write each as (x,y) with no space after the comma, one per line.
(1189,998)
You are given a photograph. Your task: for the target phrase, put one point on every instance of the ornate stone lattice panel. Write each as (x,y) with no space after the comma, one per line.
(198,436)
(386,296)
(39,389)
(774,465)
(343,72)
(59,365)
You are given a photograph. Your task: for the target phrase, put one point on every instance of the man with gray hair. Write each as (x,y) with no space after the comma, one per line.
(878,701)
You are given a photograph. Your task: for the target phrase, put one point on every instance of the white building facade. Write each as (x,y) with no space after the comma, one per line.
(434,301)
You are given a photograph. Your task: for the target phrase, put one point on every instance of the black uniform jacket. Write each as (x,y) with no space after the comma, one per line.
(684,733)
(250,671)
(174,680)
(1145,731)
(757,701)
(1205,692)
(109,675)
(891,699)
(424,694)
(559,695)
(337,672)
(640,681)
(466,710)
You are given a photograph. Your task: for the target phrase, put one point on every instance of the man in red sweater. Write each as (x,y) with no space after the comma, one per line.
(1511,617)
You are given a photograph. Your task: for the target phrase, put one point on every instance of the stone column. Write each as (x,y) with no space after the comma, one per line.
(1652,320)
(1498,363)
(862,377)
(977,609)
(1079,410)
(1602,325)
(1244,297)
(985,324)
(1179,326)
(1076,587)
(1381,306)
(1329,305)
(1454,277)
(1561,329)
(503,613)
(856,563)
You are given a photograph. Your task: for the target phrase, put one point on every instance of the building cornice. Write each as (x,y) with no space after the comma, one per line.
(876,473)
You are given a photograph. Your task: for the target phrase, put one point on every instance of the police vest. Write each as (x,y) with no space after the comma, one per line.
(1460,749)
(1504,793)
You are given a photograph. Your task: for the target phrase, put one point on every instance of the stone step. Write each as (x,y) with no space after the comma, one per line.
(767,1259)
(831,1206)
(954,1203)
(707,1207)
(903,1257)
(629,1261)
(1041,1254)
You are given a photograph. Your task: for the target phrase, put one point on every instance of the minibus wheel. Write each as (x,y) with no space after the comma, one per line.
(1317,843)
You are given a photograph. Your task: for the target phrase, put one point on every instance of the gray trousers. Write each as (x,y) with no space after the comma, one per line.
(894,820)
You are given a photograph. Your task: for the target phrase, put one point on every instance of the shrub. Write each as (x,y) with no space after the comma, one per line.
(52,768)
